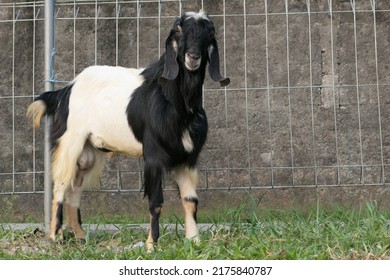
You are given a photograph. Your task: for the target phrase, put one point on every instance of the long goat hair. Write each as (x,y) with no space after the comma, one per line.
(154,112)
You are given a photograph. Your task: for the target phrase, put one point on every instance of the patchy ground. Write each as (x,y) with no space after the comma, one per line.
(339,234)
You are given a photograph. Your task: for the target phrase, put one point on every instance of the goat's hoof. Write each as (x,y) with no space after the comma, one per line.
(150,246)
(78,233)
(57,237)
(195,239)
(73,235)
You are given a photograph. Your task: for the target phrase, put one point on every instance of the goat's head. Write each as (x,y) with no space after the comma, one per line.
(190,44)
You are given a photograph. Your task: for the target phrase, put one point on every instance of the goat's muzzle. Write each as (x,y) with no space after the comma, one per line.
(192,61)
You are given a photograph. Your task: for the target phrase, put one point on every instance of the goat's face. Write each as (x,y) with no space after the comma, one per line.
(195,34)
(190,44)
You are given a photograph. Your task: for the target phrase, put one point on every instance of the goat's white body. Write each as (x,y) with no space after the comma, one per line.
(99,100)
(97,112)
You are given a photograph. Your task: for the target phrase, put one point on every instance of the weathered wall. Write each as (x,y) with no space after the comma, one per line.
(307,105)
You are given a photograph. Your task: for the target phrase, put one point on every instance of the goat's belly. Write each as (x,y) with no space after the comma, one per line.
(125,144)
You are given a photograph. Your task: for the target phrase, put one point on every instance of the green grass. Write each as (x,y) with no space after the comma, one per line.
(316,234)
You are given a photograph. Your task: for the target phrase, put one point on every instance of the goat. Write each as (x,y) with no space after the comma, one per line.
(155,113)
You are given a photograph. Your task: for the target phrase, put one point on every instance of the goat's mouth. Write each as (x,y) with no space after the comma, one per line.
(192,61)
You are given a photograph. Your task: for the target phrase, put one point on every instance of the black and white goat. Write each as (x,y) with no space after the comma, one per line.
(154,112)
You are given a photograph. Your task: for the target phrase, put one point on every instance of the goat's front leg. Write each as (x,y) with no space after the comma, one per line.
(153,189)
(187,179)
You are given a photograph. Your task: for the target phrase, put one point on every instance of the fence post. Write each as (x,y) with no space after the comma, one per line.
(49,86)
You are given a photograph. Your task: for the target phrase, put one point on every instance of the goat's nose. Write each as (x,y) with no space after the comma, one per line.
(194,56)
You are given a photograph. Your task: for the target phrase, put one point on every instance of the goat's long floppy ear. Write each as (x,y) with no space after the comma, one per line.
(171,67)
(214,65)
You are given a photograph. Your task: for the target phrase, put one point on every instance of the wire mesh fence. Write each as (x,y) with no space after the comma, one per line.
(307,105)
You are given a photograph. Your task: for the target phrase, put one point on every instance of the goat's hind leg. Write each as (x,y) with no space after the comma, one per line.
(72,212)
(65,198)
(57,211)
(89,166)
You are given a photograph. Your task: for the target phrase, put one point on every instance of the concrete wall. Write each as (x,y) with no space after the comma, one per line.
(307,105)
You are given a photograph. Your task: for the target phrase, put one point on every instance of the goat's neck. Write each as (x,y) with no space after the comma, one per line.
(185,92)
(190,85)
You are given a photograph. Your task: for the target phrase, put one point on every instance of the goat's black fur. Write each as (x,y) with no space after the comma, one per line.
(160,111)
(170,102)
(57,104)
(59,217)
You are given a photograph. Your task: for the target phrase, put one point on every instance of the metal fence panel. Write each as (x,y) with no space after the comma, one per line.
(307,105)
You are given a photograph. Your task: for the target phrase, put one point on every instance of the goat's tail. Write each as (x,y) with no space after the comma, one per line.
(47,103)
(36,111)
